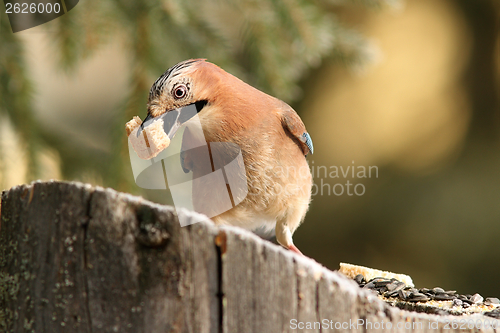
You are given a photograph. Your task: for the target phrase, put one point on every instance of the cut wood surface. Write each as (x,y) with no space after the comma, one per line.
(76,258)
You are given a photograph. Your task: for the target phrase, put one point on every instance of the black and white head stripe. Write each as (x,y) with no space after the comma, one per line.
(159,85)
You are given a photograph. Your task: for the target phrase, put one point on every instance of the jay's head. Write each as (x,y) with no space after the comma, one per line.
(188,82)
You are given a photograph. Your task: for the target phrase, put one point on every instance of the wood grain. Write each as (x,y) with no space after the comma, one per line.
(76,258)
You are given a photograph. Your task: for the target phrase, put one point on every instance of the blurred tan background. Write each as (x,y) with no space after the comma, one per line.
(422,108)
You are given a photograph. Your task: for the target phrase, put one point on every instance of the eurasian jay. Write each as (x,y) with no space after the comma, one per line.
(272,138)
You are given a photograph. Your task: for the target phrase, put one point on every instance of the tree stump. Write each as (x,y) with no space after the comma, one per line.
(76,258)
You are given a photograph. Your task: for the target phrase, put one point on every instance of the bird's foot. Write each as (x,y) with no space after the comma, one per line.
(293,248)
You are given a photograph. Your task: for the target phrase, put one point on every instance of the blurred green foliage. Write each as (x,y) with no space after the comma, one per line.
(16,92)
(270,44)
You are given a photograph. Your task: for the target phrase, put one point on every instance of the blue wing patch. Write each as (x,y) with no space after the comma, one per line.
(306,138)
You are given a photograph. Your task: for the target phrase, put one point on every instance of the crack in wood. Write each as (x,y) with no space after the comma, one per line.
(85,227)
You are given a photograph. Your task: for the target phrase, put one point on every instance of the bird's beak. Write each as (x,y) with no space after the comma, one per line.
(141,128)
(172,119)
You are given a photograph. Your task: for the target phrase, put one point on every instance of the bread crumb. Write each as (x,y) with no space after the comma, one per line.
(370,273)
(152,140)
(133,124)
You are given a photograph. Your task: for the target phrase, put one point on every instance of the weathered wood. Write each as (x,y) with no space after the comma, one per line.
(74,258)
(79,259)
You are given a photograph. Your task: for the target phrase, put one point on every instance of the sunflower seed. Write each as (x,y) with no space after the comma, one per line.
(395,286)
(418,297)
(359,278)
(369,285)
(494,313)
(381,282)
(443,297)
(438,290)
(491,300)
(403,294)
(476,298)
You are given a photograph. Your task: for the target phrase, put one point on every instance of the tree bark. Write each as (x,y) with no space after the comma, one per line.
(74,258)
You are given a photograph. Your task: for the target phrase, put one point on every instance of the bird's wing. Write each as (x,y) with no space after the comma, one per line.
(294,125)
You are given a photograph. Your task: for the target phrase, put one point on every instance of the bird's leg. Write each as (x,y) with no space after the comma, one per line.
(293,248)
(284,237)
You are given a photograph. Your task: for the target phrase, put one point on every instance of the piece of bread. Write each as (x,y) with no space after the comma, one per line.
(133,124)
(152,140)
(370,273)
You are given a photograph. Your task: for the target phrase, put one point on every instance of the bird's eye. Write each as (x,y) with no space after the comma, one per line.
(180,91)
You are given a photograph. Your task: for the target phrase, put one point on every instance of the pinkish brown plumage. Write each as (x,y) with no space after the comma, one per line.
(272,138)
